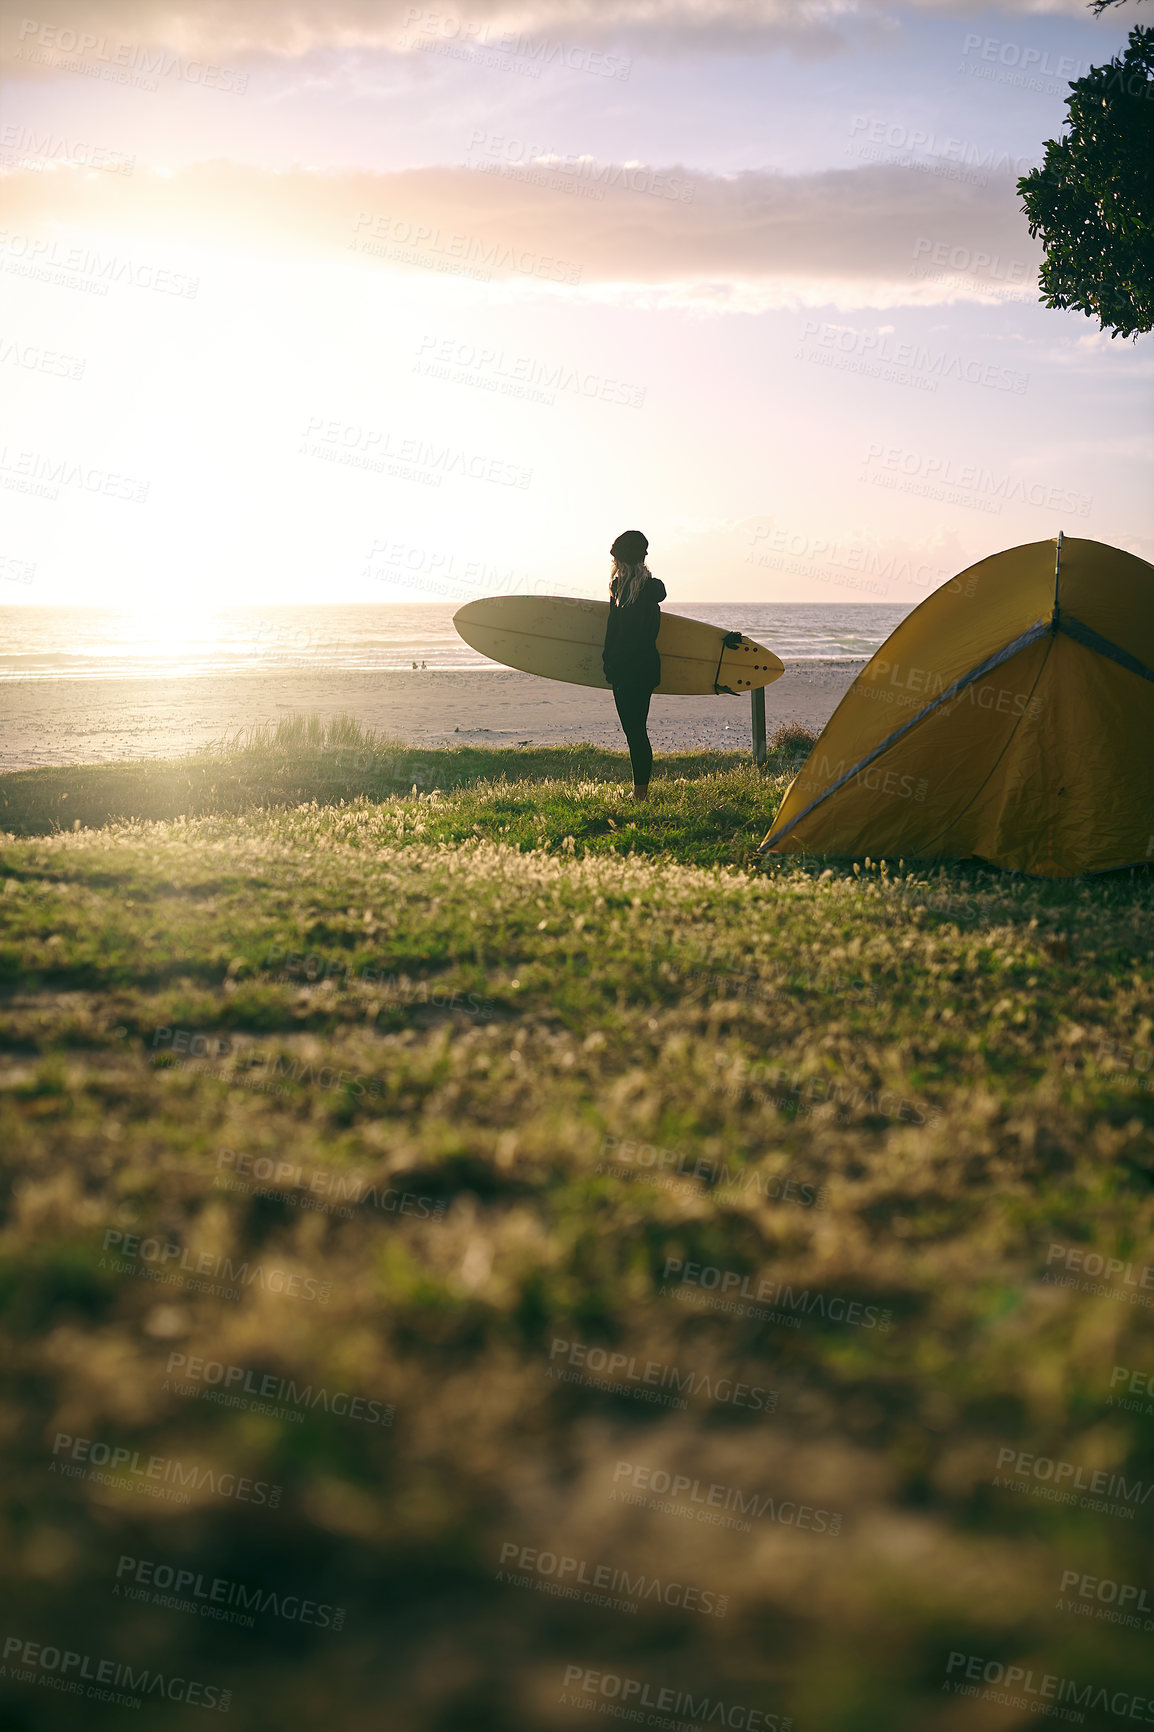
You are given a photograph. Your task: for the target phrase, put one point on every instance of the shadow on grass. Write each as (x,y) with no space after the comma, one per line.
(305,758)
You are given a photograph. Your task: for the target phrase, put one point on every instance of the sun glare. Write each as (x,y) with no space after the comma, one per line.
(173,634)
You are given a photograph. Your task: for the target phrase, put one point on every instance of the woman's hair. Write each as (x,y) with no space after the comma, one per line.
(630,571)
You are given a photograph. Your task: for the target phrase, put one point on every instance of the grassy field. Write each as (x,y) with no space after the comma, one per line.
(478,1254)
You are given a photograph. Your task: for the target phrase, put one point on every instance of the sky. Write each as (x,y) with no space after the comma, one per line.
(312,302)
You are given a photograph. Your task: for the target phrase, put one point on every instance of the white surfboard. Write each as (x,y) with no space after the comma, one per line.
(561,638)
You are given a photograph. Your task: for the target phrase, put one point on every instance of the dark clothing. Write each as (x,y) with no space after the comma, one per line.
(630,656)
(633,709)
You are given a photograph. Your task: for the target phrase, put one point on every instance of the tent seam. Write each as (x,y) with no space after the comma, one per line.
(1105,647)
(1039,629)
(992,771)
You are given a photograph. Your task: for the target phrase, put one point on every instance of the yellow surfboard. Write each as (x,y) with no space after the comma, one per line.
(560,637)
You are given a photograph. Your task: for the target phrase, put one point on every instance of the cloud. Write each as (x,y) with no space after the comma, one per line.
(877,235)
(218,29)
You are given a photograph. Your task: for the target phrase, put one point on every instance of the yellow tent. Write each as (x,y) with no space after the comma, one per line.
(1010,717)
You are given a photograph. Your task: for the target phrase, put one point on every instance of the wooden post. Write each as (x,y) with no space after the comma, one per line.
(757,706)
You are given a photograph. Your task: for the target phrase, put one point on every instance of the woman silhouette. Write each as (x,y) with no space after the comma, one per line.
(630,659)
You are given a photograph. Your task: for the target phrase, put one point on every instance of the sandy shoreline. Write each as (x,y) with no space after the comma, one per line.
(101,720)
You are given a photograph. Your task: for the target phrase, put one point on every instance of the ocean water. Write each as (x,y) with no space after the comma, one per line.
(92,643)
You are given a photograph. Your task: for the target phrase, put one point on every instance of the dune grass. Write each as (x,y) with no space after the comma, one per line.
(436,1081)
(305,758)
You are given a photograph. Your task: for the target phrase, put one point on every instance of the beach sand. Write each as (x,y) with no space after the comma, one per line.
(103,720)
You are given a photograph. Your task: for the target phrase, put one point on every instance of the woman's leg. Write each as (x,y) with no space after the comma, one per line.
(633,711)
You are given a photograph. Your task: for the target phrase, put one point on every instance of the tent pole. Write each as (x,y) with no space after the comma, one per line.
(1057,575)
(757,708)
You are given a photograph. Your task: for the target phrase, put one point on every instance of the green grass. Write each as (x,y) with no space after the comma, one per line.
(711,803)
(503,1011)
